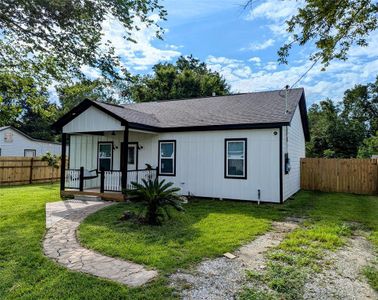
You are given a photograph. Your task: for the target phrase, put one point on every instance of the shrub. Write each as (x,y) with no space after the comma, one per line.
(156,198)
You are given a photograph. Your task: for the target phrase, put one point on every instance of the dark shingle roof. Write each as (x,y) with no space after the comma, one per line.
(248,108)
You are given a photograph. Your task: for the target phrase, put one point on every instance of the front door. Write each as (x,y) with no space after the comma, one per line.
(132,157)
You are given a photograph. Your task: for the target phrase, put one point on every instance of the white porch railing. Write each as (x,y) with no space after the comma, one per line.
(72,179)
(112,181)
(107,181)
(138,175)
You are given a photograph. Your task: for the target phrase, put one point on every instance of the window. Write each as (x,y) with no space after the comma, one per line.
(235,158)
(30,153)
(8,137)
(167,158)
(105,156)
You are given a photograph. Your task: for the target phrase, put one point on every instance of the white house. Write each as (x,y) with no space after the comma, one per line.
(14,142)
(244,146)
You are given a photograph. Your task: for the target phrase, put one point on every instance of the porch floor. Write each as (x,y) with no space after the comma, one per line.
(112,196)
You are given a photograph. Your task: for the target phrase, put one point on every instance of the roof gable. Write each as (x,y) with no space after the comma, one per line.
(27,136)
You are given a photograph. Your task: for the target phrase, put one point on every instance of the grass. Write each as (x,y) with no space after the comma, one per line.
(331,218)
(205,229)
(371,274)
(24,271)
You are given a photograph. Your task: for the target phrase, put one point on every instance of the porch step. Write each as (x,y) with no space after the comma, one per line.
(87,198)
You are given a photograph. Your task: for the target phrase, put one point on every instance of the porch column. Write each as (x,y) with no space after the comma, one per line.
(124,156)
(63,162)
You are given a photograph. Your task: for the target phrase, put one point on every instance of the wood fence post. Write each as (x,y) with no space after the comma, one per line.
(31,171)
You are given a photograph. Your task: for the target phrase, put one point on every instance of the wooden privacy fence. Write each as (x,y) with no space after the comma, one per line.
(24,170)
(358,176)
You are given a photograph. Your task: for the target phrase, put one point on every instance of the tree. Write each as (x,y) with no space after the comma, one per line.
(37,123)
(187,78)
(53,162)
(333,26)
(56,38)
(361,104)
(369,147)
(156,197)
(332,135)
(25,105)
(71,95)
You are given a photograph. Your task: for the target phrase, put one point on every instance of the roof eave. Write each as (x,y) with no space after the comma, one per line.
(209,127)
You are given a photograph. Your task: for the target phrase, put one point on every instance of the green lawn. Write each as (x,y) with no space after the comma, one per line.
(206,229)
(24,271)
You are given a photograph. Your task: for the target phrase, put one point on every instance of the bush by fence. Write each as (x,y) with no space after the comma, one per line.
(359,176)
(24,170)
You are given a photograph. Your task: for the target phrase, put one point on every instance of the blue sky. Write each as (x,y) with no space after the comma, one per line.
(242,45)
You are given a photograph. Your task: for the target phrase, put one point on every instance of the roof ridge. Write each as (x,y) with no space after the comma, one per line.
(128,108)
(209,97)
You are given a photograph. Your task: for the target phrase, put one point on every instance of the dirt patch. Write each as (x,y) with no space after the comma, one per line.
(342,278)
(222,278)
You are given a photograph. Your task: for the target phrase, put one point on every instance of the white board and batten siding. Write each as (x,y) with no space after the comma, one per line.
(15,143)
(200,159)
(92,120)
(297,150)
(200,156)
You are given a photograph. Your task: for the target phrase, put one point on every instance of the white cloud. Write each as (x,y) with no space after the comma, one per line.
(142,53)
(140,68)
(91,73)
(271,65)
(277,12)
(318,85)
(259,46)
(255,59)
(222,60)
(275,9)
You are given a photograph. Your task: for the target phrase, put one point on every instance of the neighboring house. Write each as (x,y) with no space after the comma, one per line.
(244,146)
(14,142)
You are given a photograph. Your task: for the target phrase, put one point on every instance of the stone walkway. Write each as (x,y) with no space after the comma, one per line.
(60,244)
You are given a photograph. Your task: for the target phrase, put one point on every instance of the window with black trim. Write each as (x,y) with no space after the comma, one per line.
(105,156)
(167,158)
(30,153)
(236,158)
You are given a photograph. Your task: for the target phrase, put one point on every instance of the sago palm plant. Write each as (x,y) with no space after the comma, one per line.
(157,197)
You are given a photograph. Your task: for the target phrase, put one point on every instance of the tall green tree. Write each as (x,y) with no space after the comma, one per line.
(56,38)
(332,26)
(187,78)
(71,95)
(25,105)
(360,103)
(332,135)
(369,147)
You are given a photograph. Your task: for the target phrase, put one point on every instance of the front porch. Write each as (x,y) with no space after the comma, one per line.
(105,184)
(105,163)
